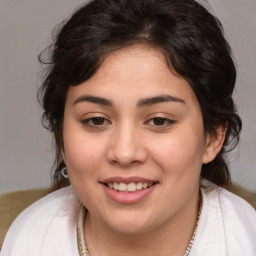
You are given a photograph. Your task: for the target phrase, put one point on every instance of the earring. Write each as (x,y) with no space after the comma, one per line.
(64,172)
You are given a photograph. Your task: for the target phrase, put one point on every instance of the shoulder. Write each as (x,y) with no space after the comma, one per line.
(231,206)
(40,225)
(239,217)
(229,220)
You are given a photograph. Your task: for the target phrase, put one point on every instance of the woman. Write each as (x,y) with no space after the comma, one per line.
(139,99)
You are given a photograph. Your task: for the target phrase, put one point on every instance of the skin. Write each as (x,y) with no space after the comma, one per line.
(128,140)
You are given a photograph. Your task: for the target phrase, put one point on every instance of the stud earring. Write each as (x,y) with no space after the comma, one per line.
(64,172)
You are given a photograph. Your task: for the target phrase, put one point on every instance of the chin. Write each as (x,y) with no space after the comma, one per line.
(130,228)
(130,223)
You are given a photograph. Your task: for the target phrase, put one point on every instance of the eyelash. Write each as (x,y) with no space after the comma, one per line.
(89,121)
(164,122)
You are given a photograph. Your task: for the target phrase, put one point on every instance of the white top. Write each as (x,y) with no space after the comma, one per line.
(227,227)
(46,228)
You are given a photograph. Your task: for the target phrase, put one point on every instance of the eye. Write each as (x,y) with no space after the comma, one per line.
(160,121)
(96,121)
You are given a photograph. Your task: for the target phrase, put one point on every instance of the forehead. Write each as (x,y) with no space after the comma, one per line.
(133,73)
(138,59)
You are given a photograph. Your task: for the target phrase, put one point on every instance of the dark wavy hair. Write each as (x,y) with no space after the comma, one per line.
(190,38)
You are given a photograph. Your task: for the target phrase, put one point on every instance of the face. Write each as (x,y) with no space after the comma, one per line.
(134,142)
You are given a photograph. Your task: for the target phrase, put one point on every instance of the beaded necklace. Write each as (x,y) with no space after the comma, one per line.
(80,231)
(82,248)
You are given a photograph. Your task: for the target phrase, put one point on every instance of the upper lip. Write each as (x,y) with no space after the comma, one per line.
(127,180)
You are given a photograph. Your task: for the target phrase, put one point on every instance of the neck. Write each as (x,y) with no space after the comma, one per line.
(170,238)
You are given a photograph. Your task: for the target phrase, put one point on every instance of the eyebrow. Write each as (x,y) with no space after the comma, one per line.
(94,99)
(159,99)
(141,103)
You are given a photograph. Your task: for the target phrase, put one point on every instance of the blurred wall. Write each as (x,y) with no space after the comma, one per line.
(25,30)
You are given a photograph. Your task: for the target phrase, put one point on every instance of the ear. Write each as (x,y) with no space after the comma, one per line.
(214,143)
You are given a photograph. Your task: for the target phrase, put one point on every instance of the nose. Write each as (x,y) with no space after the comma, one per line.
(126,147)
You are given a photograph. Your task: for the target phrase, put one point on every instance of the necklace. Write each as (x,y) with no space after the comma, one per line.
(82,248)
(80,231)
(193,236)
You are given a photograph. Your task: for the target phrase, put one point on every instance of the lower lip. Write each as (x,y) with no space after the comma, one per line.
(128,197)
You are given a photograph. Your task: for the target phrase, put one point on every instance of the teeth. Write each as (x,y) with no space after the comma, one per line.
(115,186)
(122,187)
(130,187)
(139,186)
(144,185)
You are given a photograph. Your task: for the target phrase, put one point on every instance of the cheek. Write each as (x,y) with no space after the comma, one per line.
(180,152)
(82,153)
(83,160)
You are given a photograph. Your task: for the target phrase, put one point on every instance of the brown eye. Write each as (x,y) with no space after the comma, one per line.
(96,121)
(158,121)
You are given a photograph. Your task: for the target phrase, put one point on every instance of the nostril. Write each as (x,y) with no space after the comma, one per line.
(126,153)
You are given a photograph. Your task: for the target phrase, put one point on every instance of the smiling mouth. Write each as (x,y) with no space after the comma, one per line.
(130,187)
